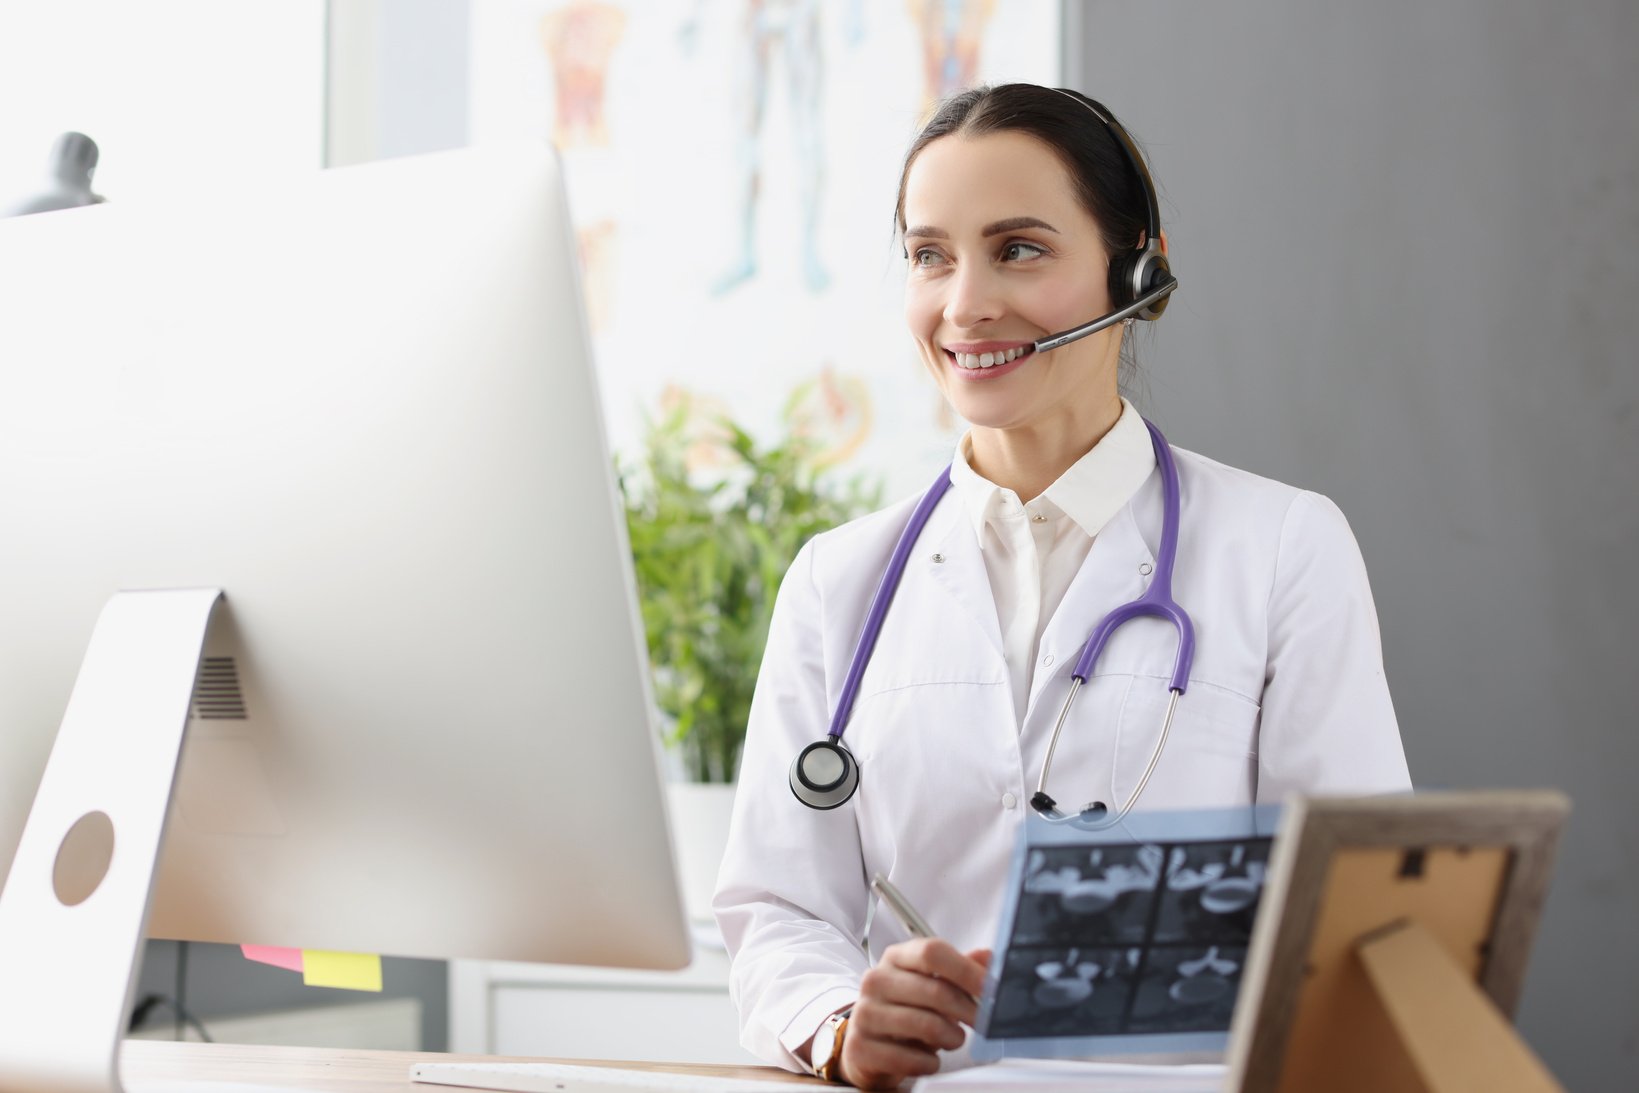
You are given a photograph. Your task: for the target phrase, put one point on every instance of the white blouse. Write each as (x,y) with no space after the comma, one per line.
(1033,550)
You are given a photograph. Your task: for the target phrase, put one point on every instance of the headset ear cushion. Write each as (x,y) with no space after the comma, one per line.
(1154,272)
(1121,282)
(1138,273)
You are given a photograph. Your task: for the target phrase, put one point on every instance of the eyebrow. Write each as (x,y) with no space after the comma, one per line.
(1013,223)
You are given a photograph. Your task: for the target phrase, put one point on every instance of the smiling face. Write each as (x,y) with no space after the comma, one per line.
(1001,252)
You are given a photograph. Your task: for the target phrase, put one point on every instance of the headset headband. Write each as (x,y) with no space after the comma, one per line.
(1130,148)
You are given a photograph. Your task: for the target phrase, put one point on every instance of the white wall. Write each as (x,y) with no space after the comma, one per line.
(178,94)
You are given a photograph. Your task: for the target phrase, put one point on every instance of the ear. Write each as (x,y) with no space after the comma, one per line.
(1163,241)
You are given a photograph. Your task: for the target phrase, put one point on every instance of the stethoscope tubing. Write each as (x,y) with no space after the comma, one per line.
(885,590)
(1155,602)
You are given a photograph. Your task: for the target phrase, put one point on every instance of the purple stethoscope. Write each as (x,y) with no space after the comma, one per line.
(825,773)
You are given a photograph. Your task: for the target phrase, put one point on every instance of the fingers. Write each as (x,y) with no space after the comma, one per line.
(883,1064)
(911,1006)
(903,1023)
(891,983)
(933,957)
(981,957)
(888,1041)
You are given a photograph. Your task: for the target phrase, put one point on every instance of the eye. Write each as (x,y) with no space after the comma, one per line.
(926,257)
(1017,250)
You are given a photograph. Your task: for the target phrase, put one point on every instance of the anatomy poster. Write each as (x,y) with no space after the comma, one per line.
(733,167)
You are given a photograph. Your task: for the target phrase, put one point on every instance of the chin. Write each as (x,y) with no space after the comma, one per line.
(986,413)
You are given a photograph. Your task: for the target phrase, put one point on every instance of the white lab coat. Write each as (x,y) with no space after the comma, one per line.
(1287,693)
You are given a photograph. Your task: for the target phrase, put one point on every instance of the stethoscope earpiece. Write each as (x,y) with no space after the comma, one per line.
(824,774)
(1095,817)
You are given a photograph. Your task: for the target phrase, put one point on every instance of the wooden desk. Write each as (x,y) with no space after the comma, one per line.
(351,1071)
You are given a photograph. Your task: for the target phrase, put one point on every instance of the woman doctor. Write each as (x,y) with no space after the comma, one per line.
(1015,204)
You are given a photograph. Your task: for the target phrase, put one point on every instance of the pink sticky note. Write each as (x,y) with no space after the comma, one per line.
(288,959)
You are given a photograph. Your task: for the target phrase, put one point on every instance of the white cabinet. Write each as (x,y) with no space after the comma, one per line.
(570,1012)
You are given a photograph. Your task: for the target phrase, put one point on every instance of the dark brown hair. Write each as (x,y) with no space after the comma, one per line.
(1104,179)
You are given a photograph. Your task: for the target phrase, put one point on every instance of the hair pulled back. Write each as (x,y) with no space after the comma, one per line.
(1104,180)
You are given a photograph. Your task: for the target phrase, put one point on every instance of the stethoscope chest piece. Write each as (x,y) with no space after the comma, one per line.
(825,774)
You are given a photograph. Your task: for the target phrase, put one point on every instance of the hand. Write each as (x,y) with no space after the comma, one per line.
(911,1005)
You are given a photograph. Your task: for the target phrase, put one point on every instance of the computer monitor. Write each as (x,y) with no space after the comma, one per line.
(360,405)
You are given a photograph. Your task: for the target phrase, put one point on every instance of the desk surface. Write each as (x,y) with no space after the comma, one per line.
(351,1071)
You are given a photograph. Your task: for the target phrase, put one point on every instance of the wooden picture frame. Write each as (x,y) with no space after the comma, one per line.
(1390,947)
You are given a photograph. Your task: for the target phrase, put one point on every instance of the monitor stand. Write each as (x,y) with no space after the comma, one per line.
(74,912)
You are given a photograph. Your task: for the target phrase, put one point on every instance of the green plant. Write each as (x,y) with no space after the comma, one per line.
(709,555)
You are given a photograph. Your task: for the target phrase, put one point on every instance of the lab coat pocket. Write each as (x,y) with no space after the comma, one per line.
(1211,753)
(934,761)
(908,724)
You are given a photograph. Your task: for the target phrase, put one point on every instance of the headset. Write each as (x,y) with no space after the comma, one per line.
(825,774)
(1141,280)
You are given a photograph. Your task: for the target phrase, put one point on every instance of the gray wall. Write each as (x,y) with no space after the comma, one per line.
(1406,237)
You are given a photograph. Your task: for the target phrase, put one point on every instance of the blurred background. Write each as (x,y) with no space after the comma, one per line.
(1408,241)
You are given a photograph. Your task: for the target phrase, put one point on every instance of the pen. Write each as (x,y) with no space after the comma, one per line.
(901,907)
(905,913)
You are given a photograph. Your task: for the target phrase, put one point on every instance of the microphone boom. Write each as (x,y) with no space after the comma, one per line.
(1143,303)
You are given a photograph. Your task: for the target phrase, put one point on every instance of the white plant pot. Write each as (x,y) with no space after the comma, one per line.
(700,815)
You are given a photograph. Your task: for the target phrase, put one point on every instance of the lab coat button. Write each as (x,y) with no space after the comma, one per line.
(1047,661)
(1009,801)
(937,558)
(1145,569)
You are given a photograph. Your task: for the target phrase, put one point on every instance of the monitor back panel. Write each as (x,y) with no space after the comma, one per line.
(362,405)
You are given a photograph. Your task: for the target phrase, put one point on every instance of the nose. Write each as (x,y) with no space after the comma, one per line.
(975,296)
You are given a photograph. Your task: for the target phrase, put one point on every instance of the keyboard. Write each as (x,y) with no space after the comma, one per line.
(564,1078)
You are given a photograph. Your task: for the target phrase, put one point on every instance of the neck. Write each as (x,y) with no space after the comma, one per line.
(1027,460)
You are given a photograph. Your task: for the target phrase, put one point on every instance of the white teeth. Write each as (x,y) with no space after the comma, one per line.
(988,360)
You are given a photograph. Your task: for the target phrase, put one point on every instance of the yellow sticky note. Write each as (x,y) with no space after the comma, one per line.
(349,971)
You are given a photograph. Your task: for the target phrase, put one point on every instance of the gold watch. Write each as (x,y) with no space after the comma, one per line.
(826,1052)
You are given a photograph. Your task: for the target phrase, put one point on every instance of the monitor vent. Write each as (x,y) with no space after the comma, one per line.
(216,694)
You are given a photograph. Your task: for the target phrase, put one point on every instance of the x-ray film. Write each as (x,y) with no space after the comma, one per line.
(1130,939)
